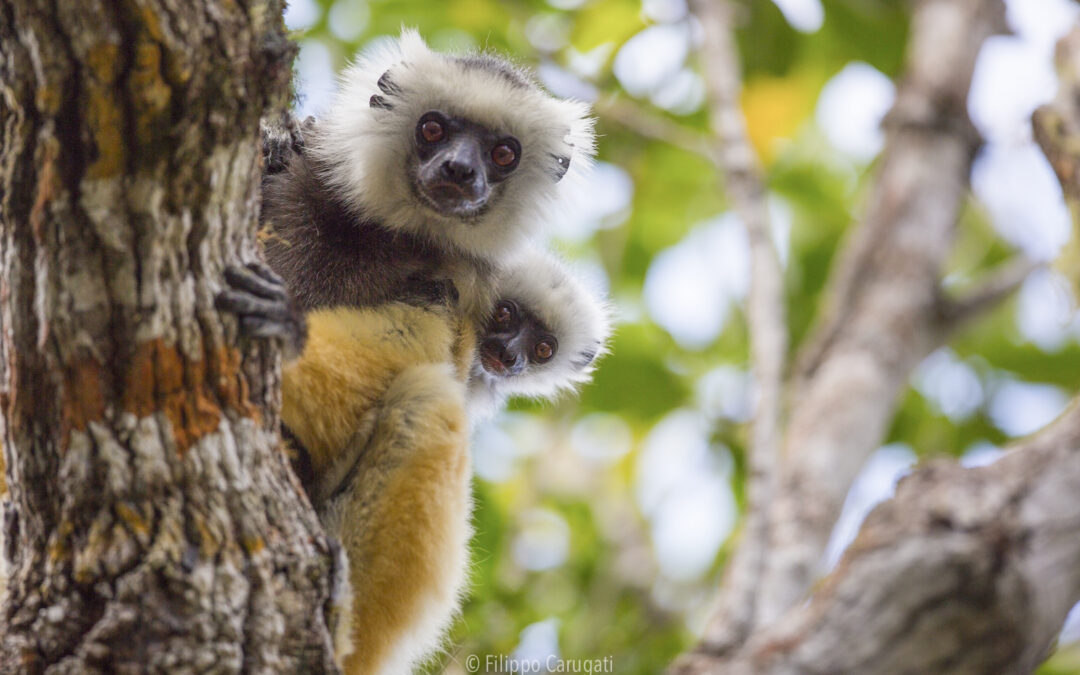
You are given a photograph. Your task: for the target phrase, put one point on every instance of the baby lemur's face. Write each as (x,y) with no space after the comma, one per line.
(515,340)
(459,164)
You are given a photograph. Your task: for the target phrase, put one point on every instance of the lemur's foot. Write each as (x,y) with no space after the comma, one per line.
(282,140)
(261,302)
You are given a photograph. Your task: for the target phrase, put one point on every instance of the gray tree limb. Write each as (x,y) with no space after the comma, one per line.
(737,161)
(883,313)
(1000,283)
(887,311)
(963,571)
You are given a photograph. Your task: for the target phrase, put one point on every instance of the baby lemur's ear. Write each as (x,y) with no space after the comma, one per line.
(587,356)
(560,165)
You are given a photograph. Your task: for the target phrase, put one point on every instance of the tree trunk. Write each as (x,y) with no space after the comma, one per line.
(153,523)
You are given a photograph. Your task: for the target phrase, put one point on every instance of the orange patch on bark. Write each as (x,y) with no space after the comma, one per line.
(158,378)
(84,394)
(47,188)
(190,393)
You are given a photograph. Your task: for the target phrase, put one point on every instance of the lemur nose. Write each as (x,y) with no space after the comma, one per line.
(459,172)
(508,358)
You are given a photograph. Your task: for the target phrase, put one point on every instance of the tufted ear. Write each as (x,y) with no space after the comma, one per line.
(388,87)
(560,164)
(585,357)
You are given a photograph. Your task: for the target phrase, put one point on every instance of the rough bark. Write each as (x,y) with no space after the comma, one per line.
(153,524)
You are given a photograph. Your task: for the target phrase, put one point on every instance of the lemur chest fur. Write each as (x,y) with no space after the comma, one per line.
(329,256)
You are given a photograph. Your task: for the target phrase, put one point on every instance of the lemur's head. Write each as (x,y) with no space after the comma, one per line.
(543,337)
(466,150)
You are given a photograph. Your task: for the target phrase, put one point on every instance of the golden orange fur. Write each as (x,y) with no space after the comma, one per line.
(378,399)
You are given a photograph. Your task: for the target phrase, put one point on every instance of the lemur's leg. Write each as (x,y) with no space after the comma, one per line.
(378,398)
(402,517)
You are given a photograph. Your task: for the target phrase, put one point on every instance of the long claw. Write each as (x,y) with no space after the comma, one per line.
(253,281)
(260,301)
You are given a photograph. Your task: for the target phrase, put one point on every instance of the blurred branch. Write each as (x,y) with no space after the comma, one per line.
(1057,131)
(883,314)
(649,124)
(999,284)
(963,571)
(886,311)
(884,299)
(734,616)
(1057,124)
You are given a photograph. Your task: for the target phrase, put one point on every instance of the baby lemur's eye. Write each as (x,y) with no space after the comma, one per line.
(432,130)
(504,314)
(545,349)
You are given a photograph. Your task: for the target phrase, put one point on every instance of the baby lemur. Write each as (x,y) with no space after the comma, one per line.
(542,339)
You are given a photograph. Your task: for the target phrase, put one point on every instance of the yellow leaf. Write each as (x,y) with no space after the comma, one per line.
(775,108)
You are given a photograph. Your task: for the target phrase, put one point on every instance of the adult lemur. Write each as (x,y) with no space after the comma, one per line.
(428,167)
(429,173)
(360,376)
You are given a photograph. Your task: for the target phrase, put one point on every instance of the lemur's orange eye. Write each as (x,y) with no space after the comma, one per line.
(432,131)
(504,313)
(503,155)
(544,350)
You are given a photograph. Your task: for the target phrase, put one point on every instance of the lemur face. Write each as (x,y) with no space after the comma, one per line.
(515,340)
(458,164)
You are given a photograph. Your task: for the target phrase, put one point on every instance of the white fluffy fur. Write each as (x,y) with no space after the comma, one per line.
(542,283)
(366,148)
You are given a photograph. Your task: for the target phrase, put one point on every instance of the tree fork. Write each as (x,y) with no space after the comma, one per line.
(152,522)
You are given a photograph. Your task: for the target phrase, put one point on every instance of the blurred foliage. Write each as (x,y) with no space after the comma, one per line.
(1065,662)
(608,595)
